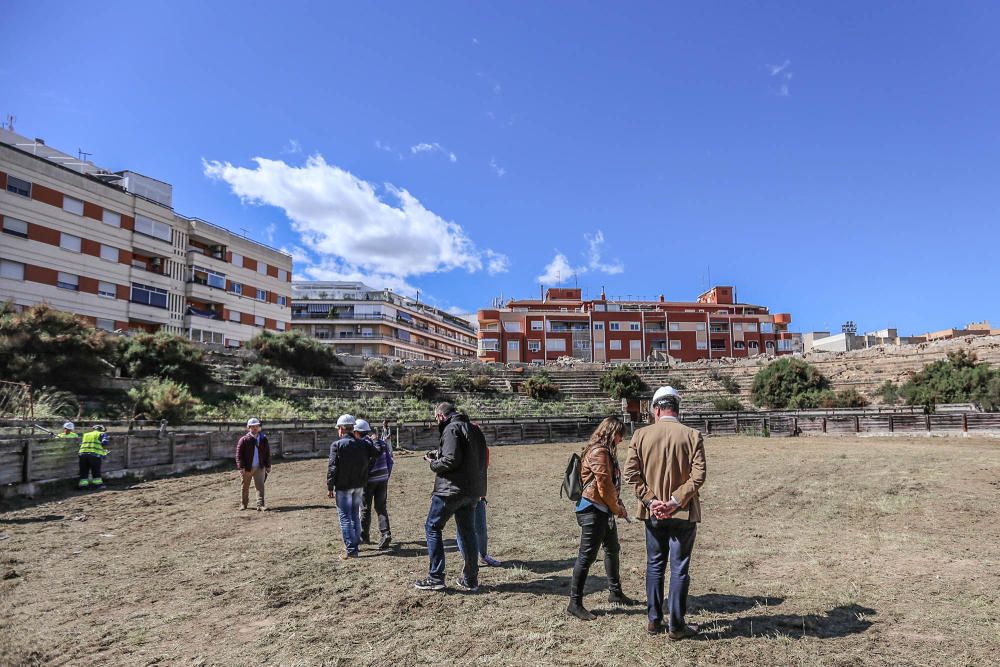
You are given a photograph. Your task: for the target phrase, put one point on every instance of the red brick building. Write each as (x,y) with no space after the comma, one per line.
(563,324)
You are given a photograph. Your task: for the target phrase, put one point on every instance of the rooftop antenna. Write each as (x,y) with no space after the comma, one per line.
(245,232)
(9,124)
(83,155)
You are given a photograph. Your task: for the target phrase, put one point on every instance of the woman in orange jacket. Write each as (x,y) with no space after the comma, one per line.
(600,475)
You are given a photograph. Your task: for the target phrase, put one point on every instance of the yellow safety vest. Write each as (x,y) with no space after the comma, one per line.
(68,435)
(91,444)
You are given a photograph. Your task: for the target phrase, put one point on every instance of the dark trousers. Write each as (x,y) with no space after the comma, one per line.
(90,465)
(673,538)
(463,508)
(597,529)
(377,492)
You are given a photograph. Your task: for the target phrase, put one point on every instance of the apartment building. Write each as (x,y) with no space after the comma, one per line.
(109,247)
(358,319)
(602,330)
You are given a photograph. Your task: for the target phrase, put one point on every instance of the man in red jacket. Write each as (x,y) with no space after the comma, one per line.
(253,460)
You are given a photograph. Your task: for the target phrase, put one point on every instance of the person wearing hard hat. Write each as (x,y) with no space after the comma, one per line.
(346,477)
(69,431)
(253,460)
(377,489)
(93,449)
(666,468)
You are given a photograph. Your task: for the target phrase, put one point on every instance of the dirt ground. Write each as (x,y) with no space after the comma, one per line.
(830,551)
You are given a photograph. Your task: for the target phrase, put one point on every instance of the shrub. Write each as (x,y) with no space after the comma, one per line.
(377,371)
(727,404)
(295,352)
(481,384)
(157,398)
(460,382)
(788,382)
(46,347)
(420,385)
(264,407)
(729,384)
(888,392)
(265,377)
(849,398)
(957,379)
(540,386)
(623,382)
(164,355)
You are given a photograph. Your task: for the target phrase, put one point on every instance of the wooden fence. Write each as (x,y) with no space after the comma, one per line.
(789,425)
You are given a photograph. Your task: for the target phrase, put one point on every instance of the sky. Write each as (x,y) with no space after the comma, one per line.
(837,161)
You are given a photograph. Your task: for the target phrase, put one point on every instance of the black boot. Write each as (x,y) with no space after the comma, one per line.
(576,607)
(612,568)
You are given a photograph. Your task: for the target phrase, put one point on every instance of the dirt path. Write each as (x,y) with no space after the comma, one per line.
(813,551)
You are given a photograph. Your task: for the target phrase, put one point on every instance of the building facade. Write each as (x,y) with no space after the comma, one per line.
(110,248)
(563,324)
(357,319)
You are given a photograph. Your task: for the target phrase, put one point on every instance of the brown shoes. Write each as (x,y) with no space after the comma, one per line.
(654,628)
(686,632)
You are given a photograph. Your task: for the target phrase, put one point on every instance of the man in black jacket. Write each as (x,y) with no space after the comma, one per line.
(460,465)
(346,477)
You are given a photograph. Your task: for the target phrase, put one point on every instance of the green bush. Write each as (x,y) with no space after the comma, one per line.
(50,348)
(788,383)
(481,384)
(849,398)
(888,392)
(266,377)
(623,382)
(957,379)
(420,385)
(245,406)
(158,398)
(541,387)
(729,384)
(295,352)
(164,355)
(460,382)
(727,404)
(377,371)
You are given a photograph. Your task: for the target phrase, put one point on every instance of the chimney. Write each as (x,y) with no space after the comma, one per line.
(39,141)
(604,297)
(662,299)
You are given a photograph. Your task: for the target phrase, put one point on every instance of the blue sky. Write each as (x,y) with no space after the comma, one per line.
(835,161)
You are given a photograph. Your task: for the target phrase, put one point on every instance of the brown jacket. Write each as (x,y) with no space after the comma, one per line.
(667,459)
(597,474)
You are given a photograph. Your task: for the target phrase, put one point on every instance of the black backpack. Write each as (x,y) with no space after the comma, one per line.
(572,485)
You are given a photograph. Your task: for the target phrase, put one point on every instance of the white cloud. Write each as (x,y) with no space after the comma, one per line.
(433,148)
(778,69)
(292,147)
(269,233)
(500,171)
(475,40)
(354,230)
(782,75)
(383,147)
(496,263)
(560,269)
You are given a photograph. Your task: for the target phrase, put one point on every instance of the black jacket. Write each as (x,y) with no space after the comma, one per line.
(461,459)
(348,464)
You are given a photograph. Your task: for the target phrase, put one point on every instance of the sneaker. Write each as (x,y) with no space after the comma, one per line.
(384,541)
(429,585)
(261,508)
(577,609)
(489,561)
(683,633)
(462,584)
(242,507)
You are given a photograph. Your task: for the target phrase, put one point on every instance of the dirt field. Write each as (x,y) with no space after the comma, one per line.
(813,552)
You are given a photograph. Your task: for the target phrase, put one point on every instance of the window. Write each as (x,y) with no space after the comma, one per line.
(753,345)
(281,326)
(739,345)
(737,326)
(536,325)
(11,270)
(236,288)
(718,344)
(261,268)
(766,327)
(616,345)
(751,326)
(261,295)
(701,345)
(69,242)
(513,346)
(282,300)
(149,296)
(15,227)
(489,327)
(769,345)
(234,316)
(635,345)
(109,253)
(153,228)
(555,344)
(258,320)
(534,346)
(366,332)
(111,218)
(489,345)
(68,281)
(18,187)
(633,326)
(675,345)
(107,289)
(512,327)
(282,275)
(785,346)
(615,326)
(237,259)
(675,326)
(105,325)
(700,326)
(598,326)
(72,205)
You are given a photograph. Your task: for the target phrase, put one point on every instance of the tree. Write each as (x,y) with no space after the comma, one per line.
(623,382)
(165,355)
(157,398)
(958,379)
(295,352)
(788,383)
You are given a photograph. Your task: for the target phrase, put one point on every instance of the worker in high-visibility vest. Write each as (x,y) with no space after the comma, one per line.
(69,431)
(93,448)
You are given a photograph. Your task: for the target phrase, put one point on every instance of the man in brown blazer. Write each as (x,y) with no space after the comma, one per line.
(666,467)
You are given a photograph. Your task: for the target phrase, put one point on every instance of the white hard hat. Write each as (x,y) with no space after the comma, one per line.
(345,420)
(663,392)
(362,426)
(253,421)
(100,428)
(69,426)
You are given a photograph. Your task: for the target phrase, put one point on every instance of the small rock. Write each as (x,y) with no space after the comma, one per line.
(4,536)
(10,574)
(109,535)
(82,517)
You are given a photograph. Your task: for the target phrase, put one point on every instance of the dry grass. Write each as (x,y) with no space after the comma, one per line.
(813,552)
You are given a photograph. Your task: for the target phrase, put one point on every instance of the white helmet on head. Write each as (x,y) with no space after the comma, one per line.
(345,420)
(362,426)
(253,421)
(664,395)
(69,426)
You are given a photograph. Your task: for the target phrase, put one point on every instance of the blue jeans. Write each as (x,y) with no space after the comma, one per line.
(349,509)
(673,537)
(481,535)
(463,508)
